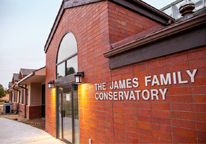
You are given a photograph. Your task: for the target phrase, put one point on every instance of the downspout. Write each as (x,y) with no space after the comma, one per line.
(25,103)
(19,97)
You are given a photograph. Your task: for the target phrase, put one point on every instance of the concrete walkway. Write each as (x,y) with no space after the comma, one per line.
(13,132)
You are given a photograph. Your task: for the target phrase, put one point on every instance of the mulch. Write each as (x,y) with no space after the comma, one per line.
(38,123)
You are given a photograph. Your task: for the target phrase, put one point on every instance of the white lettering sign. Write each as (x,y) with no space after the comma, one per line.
(145,94)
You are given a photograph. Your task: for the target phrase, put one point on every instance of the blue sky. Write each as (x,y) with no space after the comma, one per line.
(24,28)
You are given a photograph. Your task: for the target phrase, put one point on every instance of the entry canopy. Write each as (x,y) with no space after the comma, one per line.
(37,76)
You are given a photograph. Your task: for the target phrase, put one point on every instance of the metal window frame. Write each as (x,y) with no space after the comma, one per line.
(65,63)
(70,57)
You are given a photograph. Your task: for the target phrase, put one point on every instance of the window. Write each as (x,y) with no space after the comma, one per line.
(22,101)
(14,96)
(199,4)
(19,97)
(67,58)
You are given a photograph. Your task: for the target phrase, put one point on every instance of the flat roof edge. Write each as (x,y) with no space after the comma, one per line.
(158,35)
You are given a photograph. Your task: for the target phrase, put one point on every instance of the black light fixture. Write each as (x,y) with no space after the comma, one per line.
(78,77)
(51,84)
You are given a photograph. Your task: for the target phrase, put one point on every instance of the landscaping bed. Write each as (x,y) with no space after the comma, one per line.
(38,123)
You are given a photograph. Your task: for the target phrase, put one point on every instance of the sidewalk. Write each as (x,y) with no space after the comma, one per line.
(14,132)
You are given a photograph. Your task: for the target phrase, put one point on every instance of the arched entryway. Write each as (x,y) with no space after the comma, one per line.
(67,90)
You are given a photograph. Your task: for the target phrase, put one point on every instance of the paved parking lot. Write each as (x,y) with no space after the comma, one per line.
(14,132)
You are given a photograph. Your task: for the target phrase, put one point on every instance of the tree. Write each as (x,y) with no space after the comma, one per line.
(2,92)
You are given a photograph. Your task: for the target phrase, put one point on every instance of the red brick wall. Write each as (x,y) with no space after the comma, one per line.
(181,118)
(94,29)
(177,119)
(86,27)
(124,23)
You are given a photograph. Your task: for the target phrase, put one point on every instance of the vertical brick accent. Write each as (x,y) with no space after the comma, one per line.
(34,112)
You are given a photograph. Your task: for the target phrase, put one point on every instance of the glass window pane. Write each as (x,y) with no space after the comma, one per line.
(175,9)
(60,114)
(67,47)
(198,4)
(72,65)
(22,96)
(168,11)
(158,4)
(19,97)
(67,118)
(76,113)
(61,70)
(176,13)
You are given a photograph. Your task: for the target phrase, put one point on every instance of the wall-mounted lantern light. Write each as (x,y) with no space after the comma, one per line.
(51,84)
(78,77)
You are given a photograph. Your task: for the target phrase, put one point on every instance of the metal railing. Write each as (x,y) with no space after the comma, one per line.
(173,8)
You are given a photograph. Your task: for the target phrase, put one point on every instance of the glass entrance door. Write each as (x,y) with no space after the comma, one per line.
(68,113)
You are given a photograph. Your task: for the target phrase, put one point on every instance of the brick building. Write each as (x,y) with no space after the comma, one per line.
(144,74)
(27,93)
(14,91)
